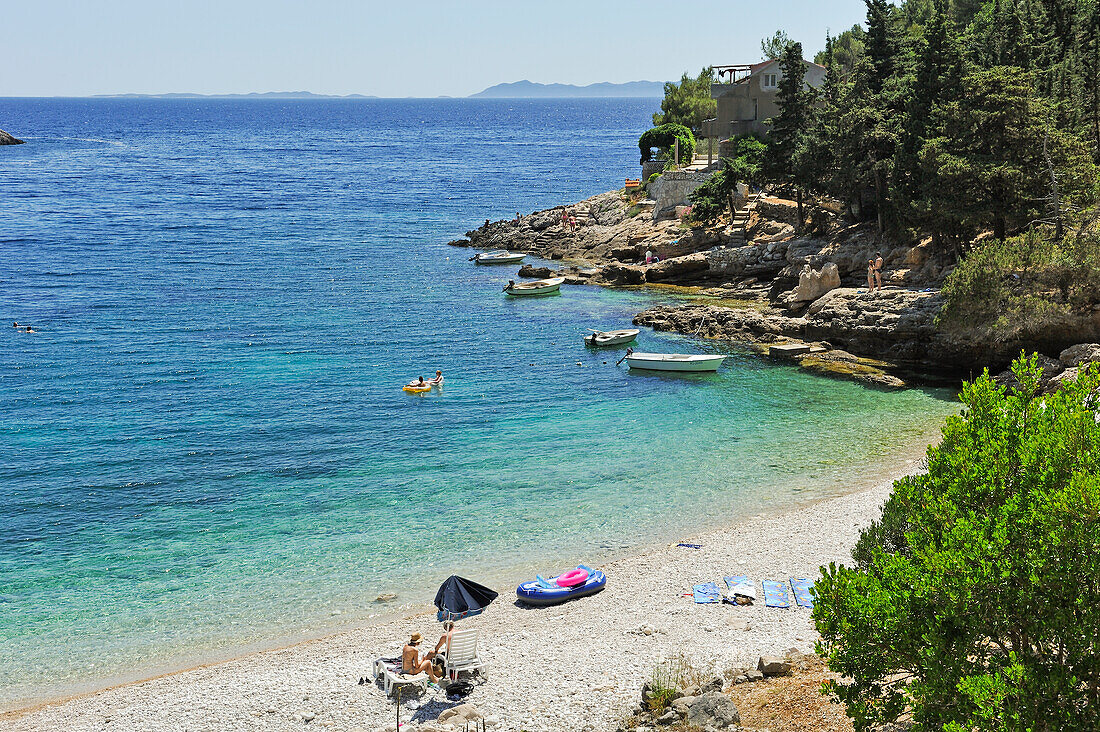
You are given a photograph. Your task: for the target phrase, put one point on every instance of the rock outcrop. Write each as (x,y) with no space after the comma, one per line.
(812,283)
(6,139)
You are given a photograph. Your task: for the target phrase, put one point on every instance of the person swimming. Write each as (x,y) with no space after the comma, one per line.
(438,380)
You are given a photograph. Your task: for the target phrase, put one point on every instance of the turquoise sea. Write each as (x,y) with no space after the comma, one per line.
(205,446)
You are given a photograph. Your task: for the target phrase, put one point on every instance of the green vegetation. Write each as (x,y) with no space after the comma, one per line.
(975,602)
(688,103)
(789,126)
(945,119)
(1026,284)
(664,138)
(774,46)
(715,196)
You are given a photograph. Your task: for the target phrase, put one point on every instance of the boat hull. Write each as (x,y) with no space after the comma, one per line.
(532,593)
(541,287)
(612,338)
(510,259)
(674,362)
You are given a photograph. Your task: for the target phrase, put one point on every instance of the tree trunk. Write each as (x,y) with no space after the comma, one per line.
(999,226)
(801,219)
(880,201)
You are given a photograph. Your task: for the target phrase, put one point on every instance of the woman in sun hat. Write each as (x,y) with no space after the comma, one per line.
(410,659)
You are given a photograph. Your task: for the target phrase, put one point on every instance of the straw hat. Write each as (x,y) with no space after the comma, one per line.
(415,639)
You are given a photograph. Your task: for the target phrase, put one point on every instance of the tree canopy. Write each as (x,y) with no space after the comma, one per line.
(774,45)
(664,138)
(688,103)
(974,603)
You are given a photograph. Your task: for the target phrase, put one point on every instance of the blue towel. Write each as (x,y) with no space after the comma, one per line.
(690,546)
(803,592)
(740,579)
(705,593)
(775,594)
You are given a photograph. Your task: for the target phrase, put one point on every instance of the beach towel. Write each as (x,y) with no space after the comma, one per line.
(775,594)
(803,592)
(739,585)
(690,546)
(705,593)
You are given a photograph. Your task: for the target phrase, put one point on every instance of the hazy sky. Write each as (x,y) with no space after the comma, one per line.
(393,49)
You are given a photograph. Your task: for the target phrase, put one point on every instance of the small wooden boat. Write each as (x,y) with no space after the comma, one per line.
(538,287)
(673,362)
(611,337)
(500,256)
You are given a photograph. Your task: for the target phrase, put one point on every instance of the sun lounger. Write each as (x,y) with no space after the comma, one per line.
(461,654)
(740,585)
(803,592)
(705,593)
(389,670)
(775,594)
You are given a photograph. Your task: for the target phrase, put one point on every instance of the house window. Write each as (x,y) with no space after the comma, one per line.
(770,81)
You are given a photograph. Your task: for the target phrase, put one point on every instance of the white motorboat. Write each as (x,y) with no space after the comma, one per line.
(538,287)
(611,337)
(673,362)
(500,256)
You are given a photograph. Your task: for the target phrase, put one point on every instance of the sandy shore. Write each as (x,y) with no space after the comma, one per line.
(575,666)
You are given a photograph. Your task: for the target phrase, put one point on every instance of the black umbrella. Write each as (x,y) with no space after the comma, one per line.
(459,598)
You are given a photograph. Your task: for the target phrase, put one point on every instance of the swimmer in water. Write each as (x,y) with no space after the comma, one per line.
(438,380)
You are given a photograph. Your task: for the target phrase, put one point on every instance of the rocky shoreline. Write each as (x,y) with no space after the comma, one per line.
(759,281)
(6,139)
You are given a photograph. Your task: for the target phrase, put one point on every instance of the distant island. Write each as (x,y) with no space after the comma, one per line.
(250,95)
(532,89)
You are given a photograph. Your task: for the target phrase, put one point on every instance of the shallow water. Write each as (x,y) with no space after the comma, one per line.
(206,445)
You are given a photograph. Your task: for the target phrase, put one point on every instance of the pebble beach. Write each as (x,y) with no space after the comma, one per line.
(575,666)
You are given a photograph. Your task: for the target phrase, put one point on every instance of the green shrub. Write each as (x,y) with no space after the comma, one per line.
(652,178)
(664,139)
(976,603)
(711,200)
(1022,284)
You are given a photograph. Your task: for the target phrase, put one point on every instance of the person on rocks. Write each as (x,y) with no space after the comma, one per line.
(648,256)
(878,271)
(572,224)
(870,276)
(411,663)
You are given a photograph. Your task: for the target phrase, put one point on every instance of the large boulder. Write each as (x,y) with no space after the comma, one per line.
(812,284)
(713,711)
(1079,354)
(623,274)
(771,666)
(460,715)
(677,268)
(6,139)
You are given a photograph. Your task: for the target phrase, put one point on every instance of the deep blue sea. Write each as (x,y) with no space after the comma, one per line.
(205,446)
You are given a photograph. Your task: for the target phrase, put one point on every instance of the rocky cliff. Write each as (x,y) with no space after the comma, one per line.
(6,139)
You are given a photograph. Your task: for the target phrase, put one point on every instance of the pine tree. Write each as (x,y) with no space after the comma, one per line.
(789,126)
(1088,79)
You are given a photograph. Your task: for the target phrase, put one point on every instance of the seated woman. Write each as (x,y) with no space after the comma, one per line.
(411,662)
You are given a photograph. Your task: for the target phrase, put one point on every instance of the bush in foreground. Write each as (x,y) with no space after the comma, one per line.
(976,600)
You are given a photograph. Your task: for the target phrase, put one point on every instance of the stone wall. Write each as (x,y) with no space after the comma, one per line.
(778,209)
(751,260)
(672,190)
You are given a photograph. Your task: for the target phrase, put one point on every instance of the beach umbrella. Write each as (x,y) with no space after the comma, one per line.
(459,598)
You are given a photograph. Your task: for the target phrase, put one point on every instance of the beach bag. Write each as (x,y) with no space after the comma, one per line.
(459,690)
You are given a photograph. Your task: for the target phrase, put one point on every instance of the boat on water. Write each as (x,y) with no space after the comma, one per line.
(580,582)
(538,287)
(417,388)
(673,361)
(500,256)
(611,337)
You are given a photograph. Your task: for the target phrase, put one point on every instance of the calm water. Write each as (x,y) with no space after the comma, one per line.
(205,446)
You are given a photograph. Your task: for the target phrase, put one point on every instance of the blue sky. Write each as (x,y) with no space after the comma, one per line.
(398,48)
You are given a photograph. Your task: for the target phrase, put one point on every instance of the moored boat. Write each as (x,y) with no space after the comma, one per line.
(538,287)
(579,582)
(611,337)
(673,361)
(500,256)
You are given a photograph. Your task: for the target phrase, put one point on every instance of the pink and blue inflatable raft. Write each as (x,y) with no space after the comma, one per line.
(579,582)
